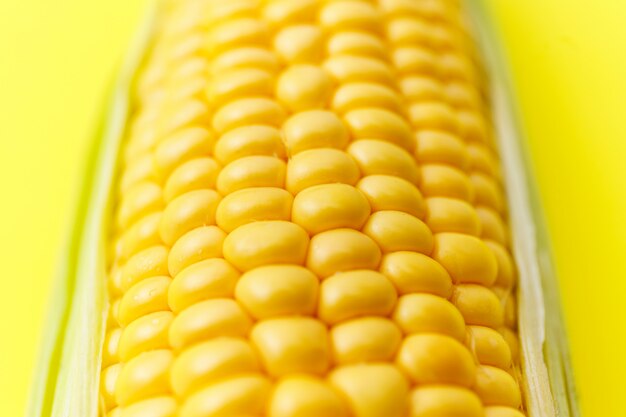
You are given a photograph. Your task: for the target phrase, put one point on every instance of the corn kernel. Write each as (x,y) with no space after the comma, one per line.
(194,246)
(489,347)
(153,407)
(467,258)
(506,270)
(492,226)
(255,140)
(433,115)
(367,339)
(420,88)
(320,166)
(487,192)
(414,272)
(398,231)
(235,396)
(495,386)
(304,87)
(372,390)
(278,290)
(478,305)
(148,332)
(186,212)
(409,30)
(145,264)
(355,293)
(108,382)
(314,129)
(292,345)
(353,68)
(438,180)
(245,57)
(141,199)
(498,411)
(415,60)
(183,145)
(330,206)
(435,147)
(283,12)
(147,296)
(443,401)
(144,376)
(247,111)
(237,32)
(110,348)
(451,215)
(299,44)
(355,43)
(196,174)
(341,250)
(212,278)
(253,204)
(143,234)
(304,396)
(431,358)
(211,361)
(375,157)
(251,171)
(237,84)
(427,313)
(354,96)
(220,317)
(349,15)
(386,192)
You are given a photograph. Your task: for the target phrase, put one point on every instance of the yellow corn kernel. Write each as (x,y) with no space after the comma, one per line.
(372,390)
(349,15)
(143,234)
(414,272)
(153,407)
(251,171)
(314,129)
(431,358)
(492,225)
(506,270)
(366,339)
(249,141)
(373,123)
(146,333)
(111,347)
(211,278)
(421,88)
(438,180)
(247,111)
(237,84)
(444,400)
(433,115)
(148,263)
(495,386)
(299,44)
(210,362)
(355,43)
(499,411)
(427,313)
(265,243)
(386,192)
(479,305)
(186,212)
(196,174)
(220,317)
(398,231)
(413,60)
(236,396)
(144,376)
(145,297)
(489,347)
(463,95)
(409,30)
(330,206)
(320,166)
(141,199)
(341,250)
(353,68)
(435,147)
(292,345)
(375,157)
(283,12)
(278,290)
(305,396)
(237,32)
(245,57)
(304,87)
(354,96)
(467,258)
(487,192)
(451,215)
(201,243)
(253,204)
(355,293)
(472,128)
(108,378)
(180,147)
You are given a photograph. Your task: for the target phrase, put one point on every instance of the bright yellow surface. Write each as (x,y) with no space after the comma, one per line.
(569,59)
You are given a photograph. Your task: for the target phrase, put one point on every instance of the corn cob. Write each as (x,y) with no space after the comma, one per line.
(310,219)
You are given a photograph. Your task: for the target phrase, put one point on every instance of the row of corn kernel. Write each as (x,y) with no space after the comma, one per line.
(142,184)
(452,215)
(209,332)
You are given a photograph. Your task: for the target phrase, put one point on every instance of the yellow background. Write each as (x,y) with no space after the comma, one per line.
(569,61)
